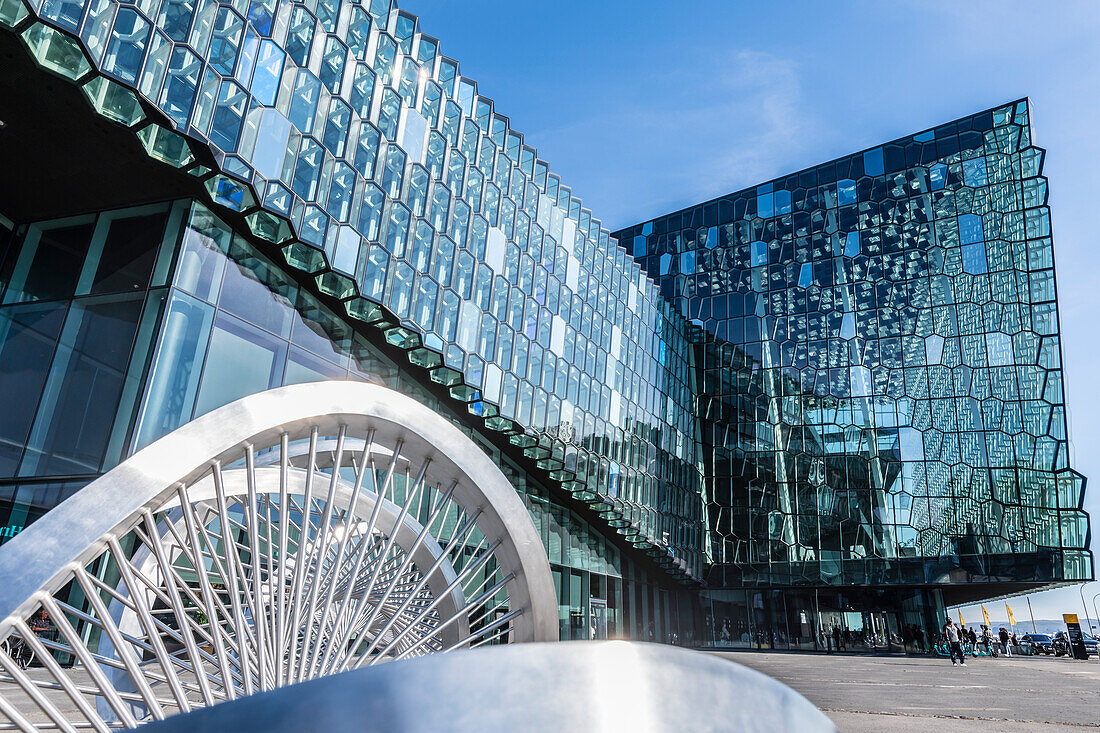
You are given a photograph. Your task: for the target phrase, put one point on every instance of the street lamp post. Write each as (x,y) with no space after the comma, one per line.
(1094,608)
(1081,592)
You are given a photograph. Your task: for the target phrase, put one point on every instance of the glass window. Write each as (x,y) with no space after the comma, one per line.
(418,190)
(362,90)
(28,335)
(174,377)
(178,93)
(300,35)
(302,367)
(202,259)
(225,40)
(307,174)
(340,192)
(433,95)
(421,254)
(175,18)
(370,213)
(400,293)
(444,259)
(332,64)
(249,47)
(372,280)
(269,70)
(346,254)
(271,144)
(366,150)
(846,192)
(318,330)
(256,291)
(225,125)
(303,104)
(124,250)
(241,360)
(448,315)
(328,12)
(441,203)
(126,49)
(336,129)
(384,56)
(50,261)
(975,172)
(397,230)
(970,229)
(369,366)
(389,114)
(394,171)
(358,32)
(426,296)
(409,81)
(85,383)
(464,274)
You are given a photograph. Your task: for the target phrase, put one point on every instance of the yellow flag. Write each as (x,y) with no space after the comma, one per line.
(985,615)
(1011,618)
(962,621)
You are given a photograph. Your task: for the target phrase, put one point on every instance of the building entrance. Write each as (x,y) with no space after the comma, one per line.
(597,618)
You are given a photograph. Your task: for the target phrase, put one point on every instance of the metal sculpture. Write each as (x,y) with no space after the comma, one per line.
(599,687)
(293,534)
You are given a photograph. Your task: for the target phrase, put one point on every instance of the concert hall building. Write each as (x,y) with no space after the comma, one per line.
(833,399)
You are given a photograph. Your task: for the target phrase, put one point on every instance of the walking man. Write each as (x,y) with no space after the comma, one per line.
(951,631)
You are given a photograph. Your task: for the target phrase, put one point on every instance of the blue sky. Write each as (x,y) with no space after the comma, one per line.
(646,107)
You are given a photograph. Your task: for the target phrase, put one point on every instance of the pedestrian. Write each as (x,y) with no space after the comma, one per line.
(837,637)
(1005,639)
(951,631)
(920,638)
(987,639)
(40,622)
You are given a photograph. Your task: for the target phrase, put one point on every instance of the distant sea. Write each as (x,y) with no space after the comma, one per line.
(1023,625)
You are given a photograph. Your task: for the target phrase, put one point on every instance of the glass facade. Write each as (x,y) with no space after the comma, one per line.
(223,322)
(344,137)
(80,306)
(881,398)
(848,378)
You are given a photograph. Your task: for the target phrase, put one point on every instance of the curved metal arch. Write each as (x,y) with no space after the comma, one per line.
(69,532)
(224,463)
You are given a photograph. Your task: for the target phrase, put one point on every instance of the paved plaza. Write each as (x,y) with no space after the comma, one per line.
(897,693)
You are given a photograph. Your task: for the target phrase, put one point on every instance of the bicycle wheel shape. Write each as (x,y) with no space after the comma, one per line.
(292,534)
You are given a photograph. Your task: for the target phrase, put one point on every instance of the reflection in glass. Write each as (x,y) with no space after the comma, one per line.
(241,360)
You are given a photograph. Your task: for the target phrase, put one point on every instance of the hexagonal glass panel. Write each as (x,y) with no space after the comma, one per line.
(56,52)
(113,101)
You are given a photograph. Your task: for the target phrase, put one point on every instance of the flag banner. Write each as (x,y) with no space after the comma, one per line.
(985,615)
(962,621)
(1011,618)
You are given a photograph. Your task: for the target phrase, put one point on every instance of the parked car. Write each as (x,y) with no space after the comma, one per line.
(1061,644)
(1040,643)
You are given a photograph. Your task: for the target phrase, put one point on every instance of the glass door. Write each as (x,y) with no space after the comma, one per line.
(597,618)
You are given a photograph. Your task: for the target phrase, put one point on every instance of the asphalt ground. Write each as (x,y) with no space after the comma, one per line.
(889,694)
(885,694)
